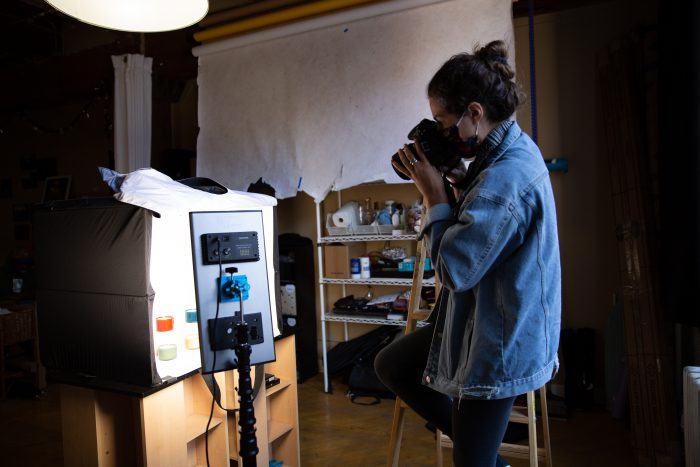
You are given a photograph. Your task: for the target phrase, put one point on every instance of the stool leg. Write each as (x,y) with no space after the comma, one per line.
(532,427)
(545,427)
(396,434)
(438,445)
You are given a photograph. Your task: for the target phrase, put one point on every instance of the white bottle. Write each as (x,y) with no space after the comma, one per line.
(364,267)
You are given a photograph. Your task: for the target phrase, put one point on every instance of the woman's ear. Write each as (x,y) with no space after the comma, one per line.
(476,111)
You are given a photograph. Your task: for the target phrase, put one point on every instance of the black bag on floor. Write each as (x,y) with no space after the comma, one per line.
(364,386)
(353,360)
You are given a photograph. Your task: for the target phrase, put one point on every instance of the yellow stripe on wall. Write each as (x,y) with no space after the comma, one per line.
(276,18)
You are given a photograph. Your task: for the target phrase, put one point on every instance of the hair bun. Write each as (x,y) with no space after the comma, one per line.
(494,49)
(495,57)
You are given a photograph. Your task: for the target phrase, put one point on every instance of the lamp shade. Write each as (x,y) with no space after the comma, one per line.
(135,15)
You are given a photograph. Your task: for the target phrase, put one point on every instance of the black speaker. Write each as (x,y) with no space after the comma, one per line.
(296,267)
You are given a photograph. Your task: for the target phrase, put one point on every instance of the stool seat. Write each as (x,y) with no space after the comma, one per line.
(527,416)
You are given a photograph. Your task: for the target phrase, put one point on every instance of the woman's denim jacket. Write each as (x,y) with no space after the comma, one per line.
(497,328)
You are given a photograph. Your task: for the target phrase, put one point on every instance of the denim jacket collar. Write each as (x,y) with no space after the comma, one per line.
(494,145)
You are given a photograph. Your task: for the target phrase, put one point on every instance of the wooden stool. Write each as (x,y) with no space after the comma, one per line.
(525,415)
(413,316)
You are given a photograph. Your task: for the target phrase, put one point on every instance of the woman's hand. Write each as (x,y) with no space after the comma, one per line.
(427,178)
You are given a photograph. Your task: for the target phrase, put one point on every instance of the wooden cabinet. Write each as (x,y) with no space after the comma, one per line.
(165,428)
(174,426)
(282,405)
(276,410)
(110,424)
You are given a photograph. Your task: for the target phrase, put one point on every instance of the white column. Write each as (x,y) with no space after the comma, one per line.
(132,112)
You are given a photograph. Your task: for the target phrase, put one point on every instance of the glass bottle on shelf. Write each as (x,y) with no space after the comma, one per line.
(397,216)
(366,212)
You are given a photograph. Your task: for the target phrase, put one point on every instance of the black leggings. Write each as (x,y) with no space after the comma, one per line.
(476,426)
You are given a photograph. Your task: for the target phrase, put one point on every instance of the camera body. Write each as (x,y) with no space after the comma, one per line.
(435,145)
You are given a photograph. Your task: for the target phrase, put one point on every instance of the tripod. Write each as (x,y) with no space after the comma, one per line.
(246,412)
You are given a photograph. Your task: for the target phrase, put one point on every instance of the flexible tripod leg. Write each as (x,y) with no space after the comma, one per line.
(246,414)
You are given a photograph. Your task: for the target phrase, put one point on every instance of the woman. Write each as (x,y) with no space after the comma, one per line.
(495,329)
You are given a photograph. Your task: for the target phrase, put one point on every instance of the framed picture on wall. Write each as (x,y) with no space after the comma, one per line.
(56,188)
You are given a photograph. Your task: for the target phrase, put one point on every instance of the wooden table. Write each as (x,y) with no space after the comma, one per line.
(109,424)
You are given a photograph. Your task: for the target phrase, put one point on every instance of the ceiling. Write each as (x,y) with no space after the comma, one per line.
(32,31)
(41,47)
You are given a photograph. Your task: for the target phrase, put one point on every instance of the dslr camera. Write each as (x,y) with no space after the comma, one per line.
(437,147)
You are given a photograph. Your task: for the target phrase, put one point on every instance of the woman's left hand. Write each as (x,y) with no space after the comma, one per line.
(427,178)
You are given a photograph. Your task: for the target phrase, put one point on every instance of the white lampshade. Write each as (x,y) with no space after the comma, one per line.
(135,15)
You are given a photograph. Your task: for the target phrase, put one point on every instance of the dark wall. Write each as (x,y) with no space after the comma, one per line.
(679,159)
(56,118)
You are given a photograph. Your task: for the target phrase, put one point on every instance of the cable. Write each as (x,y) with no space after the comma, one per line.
(240,295)
(244,360)
(213,364)
(533,83)
(215,387)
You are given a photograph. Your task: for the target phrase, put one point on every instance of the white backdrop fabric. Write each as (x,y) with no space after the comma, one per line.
(324,109)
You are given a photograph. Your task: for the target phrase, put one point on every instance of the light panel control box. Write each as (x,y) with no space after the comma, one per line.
(232,283)
(230,247)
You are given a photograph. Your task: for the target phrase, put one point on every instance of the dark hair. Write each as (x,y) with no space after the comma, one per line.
(484,77)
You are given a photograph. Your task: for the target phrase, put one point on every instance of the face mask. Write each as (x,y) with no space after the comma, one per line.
(465,148)
(473,141)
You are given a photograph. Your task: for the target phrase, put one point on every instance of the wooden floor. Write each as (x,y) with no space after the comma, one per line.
(334,432)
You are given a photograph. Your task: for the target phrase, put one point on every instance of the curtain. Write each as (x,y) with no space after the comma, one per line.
(132,112)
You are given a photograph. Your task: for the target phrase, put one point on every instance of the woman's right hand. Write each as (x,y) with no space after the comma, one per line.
(427,178)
